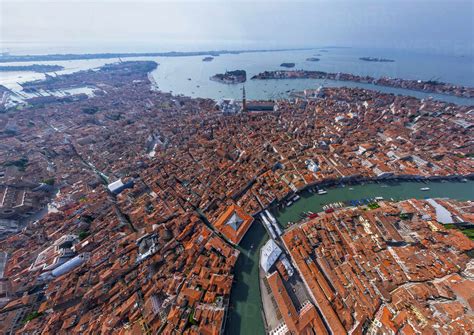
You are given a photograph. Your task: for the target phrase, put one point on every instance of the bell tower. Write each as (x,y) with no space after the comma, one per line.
(244,100)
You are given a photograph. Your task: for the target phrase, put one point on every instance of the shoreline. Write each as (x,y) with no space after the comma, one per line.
(108,55)
(175,195)
(375,88)
(221,81)
(430,87)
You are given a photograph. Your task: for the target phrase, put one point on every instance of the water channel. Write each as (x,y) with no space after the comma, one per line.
(245,308)
(190,75)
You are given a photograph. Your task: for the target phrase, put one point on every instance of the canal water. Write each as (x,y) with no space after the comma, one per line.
(245,312)
(190,75)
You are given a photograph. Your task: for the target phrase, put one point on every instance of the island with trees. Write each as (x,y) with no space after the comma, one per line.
(230,77)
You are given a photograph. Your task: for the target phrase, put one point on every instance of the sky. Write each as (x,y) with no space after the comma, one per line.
(154,25)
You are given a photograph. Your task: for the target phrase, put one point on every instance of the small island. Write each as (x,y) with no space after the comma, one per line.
(230,77)
(287,65)
(375,59)
(312,59)
(207,59)
(41,68)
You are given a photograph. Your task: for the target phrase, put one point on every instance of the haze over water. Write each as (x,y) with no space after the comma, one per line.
(427,39)
(440,27)
(190,75)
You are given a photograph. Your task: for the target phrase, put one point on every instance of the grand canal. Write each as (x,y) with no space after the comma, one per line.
(245,312)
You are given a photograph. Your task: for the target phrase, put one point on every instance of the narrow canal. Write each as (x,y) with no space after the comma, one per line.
(245,315)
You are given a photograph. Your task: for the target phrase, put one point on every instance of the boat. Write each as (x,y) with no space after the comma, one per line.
(378,198)
(321,191)
(424,189)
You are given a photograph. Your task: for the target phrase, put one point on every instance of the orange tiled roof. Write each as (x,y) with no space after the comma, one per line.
(234,223)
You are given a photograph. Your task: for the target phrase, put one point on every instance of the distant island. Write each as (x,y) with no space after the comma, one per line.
(288,65)
(7,58)
(42,68)
(207,59)
(230,77)
(312,59)
(430,86)
(375,59)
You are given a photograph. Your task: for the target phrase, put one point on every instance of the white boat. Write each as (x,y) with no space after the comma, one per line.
(424,189)
(321,191)
(378,198)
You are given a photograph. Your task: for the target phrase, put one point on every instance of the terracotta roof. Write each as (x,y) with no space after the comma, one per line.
(234,223)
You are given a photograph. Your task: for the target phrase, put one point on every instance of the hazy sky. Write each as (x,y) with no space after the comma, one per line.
(146,25)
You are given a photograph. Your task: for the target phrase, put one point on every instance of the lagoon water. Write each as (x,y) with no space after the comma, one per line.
(244,315)
(190,75)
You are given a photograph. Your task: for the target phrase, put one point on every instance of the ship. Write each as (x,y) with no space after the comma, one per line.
(376,59)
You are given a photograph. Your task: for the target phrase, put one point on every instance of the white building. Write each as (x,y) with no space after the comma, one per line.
(269,255)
